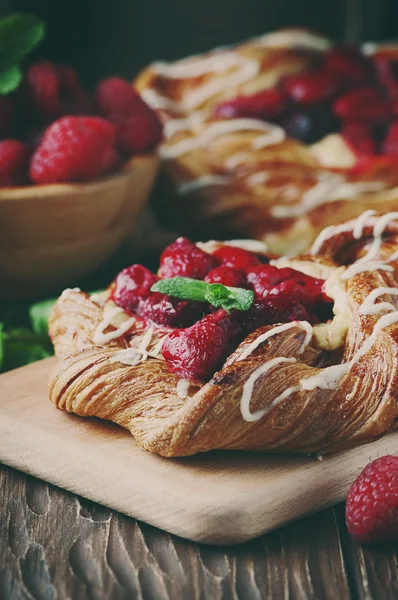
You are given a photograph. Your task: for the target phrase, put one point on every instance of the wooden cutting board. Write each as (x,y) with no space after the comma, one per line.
(219,497)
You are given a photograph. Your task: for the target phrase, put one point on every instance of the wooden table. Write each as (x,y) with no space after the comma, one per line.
(55,545)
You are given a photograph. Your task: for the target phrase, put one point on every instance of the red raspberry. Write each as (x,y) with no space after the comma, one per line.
(372,502)
(6,115)
(311,88)
(170,312)
(360,137)
(236,257)
(390,145)
(115,98)
(348,65)
(138,128)
(195,353)
(73,149)
(185,259)
(262,278)
(54,90)
(14,162)
(226,276)
(267,104)
(387,71)
(273,309)
(132,284)
(365,104)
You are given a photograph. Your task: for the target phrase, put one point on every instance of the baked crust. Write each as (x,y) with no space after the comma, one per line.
(145,398)
(232,182)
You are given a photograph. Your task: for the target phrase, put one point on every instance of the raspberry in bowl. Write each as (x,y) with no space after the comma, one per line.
(75,172)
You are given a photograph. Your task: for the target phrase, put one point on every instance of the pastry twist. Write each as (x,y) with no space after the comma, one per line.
(287,388)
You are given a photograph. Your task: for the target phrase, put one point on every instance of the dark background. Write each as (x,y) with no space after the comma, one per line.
(106,37)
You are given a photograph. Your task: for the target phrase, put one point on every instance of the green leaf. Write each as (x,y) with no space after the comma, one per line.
(21,347)
(215,293)
(19,34)
(10,80)
(39,314)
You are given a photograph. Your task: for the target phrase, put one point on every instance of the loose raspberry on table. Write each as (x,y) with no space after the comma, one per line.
(230,256)
(14,160)
(73,149)
(227,276)
(131,285)
(196,353)
(372,502)
(185,259)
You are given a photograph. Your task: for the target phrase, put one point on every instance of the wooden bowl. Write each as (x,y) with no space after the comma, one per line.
(54,235)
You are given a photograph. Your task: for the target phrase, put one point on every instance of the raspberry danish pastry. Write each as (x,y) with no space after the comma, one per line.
(226,349)
(276,138)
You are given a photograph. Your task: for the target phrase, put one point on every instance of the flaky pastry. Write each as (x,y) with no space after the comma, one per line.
(301,386)
(243,169)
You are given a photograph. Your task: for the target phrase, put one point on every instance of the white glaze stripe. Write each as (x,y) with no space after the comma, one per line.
(280,328)
(103,338)
(369,307)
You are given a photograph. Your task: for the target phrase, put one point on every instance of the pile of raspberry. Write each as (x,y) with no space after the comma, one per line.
(345,91)
(202,336)
(52,130)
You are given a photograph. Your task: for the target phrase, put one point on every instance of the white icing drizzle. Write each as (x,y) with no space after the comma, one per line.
(368,307)
(258,178)
(103,338)
(360,223)
(276,135)
(67,291)
(365,267)
(159,102)
(202,182)
(128,356)
(240,158)
(251,245)
(215,130)
(330,187)
(294,38)
(268,334)
(369,48)
(98,300)
(188,145)
(182,388)
(249,385)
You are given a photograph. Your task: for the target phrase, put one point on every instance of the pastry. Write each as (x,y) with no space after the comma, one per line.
(276,138)
(284,355)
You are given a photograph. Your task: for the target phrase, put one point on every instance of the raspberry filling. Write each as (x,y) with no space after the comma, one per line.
(202,337)
(345,91)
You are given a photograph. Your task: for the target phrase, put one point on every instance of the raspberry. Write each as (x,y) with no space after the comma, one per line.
(6,115)
(14,159)
(138,128)
(273,309)
(226,276)
(116,98)
(365,104)
(311,88)
(73,149)
(131,285)
(387,71)
(390,145)
(372,502)
(267,104)
(195,353)
(140,132)
(185,259)
(348,65)
(54,90)
(236,257)
(168,311)
(360,137)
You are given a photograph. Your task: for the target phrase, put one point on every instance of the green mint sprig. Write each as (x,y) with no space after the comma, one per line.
(19,34)
(220,296)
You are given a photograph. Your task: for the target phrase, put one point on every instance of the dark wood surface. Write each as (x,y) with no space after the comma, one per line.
(57,546)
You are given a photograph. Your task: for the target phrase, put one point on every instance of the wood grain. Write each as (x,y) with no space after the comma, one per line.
(223,497)
(57,545)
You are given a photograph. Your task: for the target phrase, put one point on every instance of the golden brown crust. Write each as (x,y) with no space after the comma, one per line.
(90,381)
(277,210)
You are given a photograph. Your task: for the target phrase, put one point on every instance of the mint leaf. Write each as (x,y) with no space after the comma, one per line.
(10,80)
(39,314)
(19,34)
(229,297)
(215,293)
